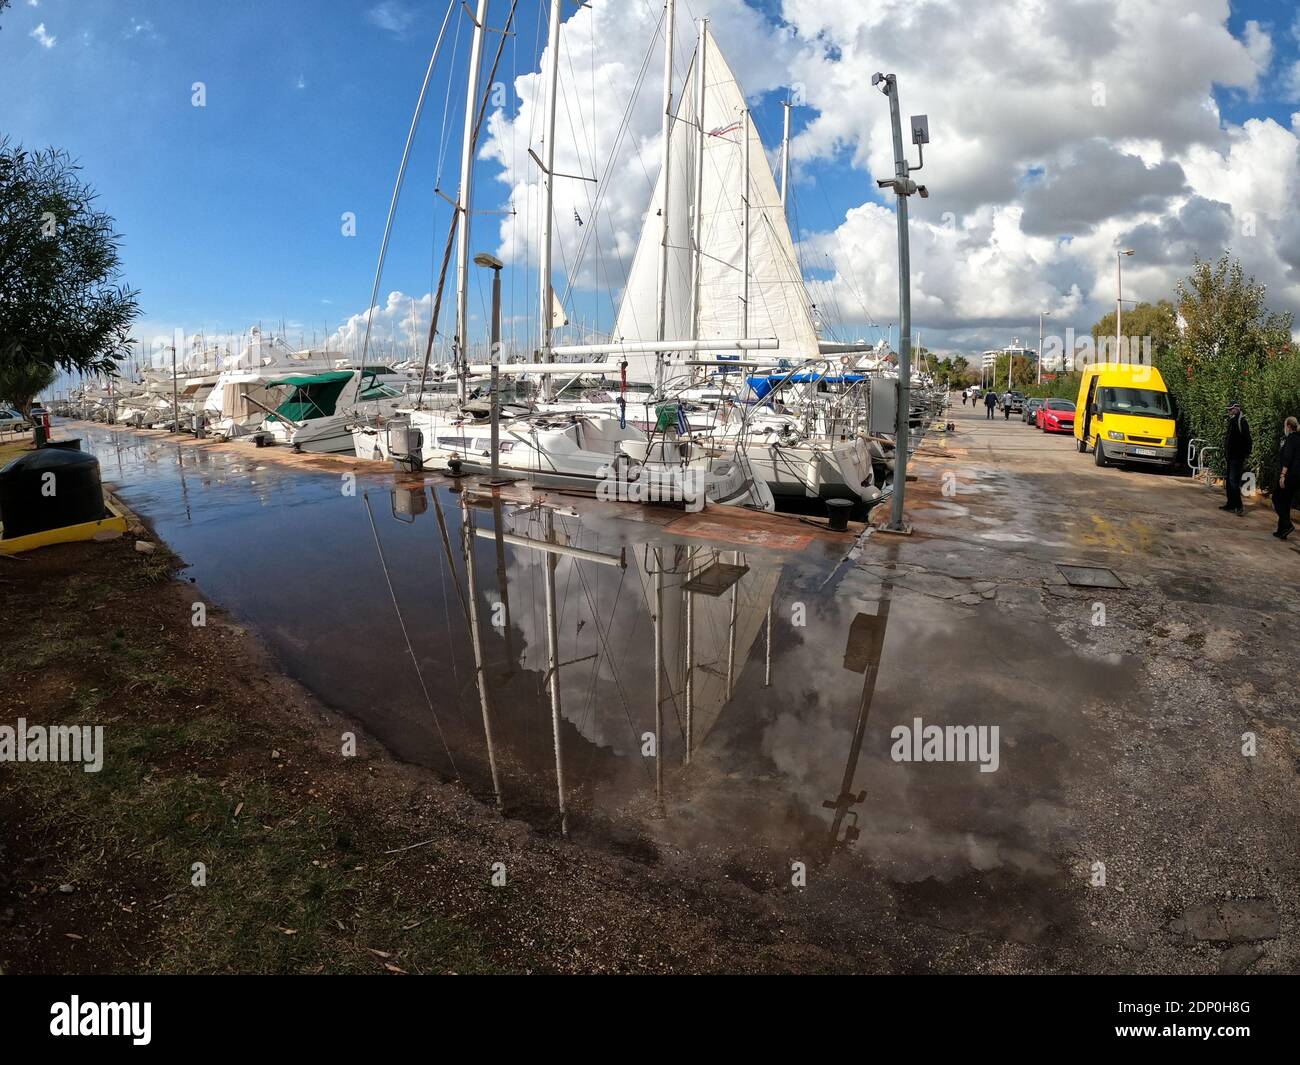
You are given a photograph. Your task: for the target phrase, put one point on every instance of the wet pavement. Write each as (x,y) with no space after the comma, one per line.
(807,677)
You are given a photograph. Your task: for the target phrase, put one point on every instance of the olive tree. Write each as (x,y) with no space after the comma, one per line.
(62,303)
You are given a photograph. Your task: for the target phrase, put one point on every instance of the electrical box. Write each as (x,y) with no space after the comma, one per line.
(884,404)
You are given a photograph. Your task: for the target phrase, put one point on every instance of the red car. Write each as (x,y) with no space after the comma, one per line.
(1056,416)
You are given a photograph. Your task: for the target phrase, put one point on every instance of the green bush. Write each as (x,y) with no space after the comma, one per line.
(1231,347)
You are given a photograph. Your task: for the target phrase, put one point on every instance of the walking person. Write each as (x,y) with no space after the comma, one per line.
(1236,450)
(1288,479)
(990,401)
(965,395)
(1006,407)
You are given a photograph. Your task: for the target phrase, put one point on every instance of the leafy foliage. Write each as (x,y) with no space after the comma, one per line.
(1232,347)
(21,382)
(1159,321)
(61,303)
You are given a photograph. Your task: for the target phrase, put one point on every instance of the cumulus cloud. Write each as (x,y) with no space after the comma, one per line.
(1058,131)
(42,37)
(1093,181)
(608,131)
(1098,126)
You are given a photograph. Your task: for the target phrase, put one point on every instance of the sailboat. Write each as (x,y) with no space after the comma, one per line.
(589,449)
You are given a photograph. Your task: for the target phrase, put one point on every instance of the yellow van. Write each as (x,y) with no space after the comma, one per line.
(1125,413)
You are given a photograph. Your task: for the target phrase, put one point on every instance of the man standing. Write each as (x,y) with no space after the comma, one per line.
(1288,479)
(1236,450)
(990,401)
(1006,407)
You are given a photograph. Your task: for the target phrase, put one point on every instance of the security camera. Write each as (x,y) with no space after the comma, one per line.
(925,193)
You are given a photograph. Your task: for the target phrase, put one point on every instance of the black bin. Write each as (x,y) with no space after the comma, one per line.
(50,489)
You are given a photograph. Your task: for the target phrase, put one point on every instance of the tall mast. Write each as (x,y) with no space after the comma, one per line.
(548,183)
(670,14)
(697,229)
(463,200)
(785,154)
(553,662)
(744,315)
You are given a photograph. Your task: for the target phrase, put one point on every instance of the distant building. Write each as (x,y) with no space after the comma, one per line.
(990,358)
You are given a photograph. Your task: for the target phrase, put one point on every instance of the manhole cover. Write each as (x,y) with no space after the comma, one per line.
(1090,577)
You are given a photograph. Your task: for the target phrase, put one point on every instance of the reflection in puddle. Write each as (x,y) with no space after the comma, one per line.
(599,676)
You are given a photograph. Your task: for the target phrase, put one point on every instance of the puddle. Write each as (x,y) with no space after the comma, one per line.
(780,744)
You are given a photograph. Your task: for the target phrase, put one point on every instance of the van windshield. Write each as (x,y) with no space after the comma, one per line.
(1144,402)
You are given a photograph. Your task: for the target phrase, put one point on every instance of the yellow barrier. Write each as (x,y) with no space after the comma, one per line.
(109,528)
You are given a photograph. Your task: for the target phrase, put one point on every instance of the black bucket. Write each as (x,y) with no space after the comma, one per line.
(50,489)
(837,511)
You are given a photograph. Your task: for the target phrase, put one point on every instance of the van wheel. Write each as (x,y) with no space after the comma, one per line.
(1099,453)
(1081,446)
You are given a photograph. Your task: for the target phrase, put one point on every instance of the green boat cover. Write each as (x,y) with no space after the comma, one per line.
(313,396)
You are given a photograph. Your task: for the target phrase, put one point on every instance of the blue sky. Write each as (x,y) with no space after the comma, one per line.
(231,212)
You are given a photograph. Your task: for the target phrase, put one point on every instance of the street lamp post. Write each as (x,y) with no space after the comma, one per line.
(491,262)
(1119,298)
(176,404)
(1041,316)
(903,187)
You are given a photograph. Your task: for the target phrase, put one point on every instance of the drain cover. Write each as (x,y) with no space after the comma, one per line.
(1090,577)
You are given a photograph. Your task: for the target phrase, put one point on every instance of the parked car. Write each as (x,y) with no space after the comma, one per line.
(12,421)
(1029,414)
(1056,416)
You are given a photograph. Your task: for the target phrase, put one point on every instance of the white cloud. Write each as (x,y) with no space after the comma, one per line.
(1020,144)
(392,16)
(1291,83)
(143,29)
(44,39)
(602,52)
(1058,131)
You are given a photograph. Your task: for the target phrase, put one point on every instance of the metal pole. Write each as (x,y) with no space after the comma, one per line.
(464,200)
(1119,300)
(547,294)
(1040,347)
(553,665)
(744,320)
(767,657)
(476,642)
(903,425)
(659,674)
(670,16)
(690,660)
(697,234)
(496,372)
(785,154)
(176,406)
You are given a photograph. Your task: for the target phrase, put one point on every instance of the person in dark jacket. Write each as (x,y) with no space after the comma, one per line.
(990,401)
(1236,450)
(1288,479)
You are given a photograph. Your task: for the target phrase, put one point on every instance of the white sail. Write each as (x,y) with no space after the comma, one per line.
(638,312)
(778,301)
